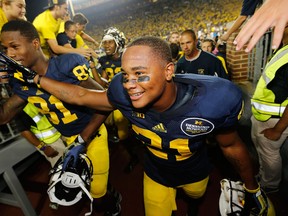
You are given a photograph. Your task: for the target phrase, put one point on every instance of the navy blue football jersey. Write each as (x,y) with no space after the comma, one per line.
(110,66)
(175,139)
(66,118)
(204,64)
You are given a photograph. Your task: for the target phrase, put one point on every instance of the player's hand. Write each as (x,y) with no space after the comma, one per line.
(50,152)
(256,202)
(27,73)
(73,153)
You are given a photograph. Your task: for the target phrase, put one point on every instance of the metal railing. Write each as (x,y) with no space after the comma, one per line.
(8,131)
(259,56)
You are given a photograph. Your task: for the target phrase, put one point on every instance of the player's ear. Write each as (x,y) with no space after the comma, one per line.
(169,71)
(36,43)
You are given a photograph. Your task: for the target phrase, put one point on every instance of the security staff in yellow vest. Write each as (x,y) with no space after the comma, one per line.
(36,128)
(270,118)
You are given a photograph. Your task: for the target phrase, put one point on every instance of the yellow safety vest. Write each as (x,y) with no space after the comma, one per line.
(263,101)
(44,131)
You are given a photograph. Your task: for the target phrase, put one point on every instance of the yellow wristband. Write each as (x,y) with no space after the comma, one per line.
(251,191)
(40,145)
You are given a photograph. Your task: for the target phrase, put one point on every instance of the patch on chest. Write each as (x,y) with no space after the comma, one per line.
(196,126)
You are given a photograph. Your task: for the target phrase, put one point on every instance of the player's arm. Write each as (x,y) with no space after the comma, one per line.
(73,94)
(10,108)
(98,118)
(93,126)
(237,154)
(90,83)
(103,82)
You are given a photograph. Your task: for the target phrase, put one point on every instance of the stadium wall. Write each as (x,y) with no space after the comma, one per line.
(237,61)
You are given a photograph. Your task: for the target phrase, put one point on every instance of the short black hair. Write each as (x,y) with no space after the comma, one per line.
(68,24)
(25,28)
(160,47)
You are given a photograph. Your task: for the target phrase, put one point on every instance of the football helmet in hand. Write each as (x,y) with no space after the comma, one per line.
(67,187)
(233,199)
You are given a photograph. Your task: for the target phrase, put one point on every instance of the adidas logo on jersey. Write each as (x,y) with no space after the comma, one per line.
(38,92)
(160,127)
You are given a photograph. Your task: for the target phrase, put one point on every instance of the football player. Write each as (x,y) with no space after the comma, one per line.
(172,115)
(113,42)
(76,124)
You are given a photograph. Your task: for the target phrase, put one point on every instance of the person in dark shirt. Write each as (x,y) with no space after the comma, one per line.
(67,38)
(197,61)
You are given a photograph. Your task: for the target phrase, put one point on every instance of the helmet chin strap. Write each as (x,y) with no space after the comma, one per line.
(67,187)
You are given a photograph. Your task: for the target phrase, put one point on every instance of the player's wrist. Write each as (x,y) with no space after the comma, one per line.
(252,190)
(81,141)
(35,79)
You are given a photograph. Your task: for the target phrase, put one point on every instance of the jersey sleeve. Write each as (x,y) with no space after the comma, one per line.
(231,104)
(70,68)
(117,95)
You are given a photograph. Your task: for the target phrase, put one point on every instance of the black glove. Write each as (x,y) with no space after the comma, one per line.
(256,202)
(27,73)
(73,153)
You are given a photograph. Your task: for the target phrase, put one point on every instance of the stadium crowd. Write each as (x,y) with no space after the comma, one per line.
(163,17)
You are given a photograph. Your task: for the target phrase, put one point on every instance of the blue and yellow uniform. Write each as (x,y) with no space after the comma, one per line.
(112,67)
(175,139)
(69,120)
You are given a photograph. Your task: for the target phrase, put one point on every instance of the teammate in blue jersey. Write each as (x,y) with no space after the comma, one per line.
(77,124)
(113,42)
(171,115)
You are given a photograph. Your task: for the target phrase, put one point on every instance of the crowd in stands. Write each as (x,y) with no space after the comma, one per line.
(160,18)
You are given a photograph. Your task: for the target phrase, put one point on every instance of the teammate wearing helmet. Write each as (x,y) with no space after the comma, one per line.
(113,42)
(76,124)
